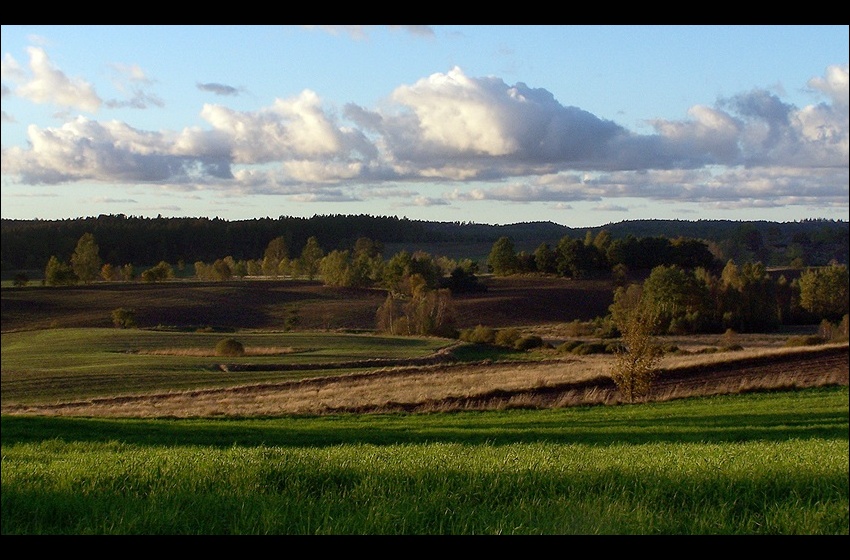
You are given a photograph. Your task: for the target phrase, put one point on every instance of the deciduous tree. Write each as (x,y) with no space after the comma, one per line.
(638,355)
(502,259)
(824,291)
(57,273)
(311,257)
(86,260)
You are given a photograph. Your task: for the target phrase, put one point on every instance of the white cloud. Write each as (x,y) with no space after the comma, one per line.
(47,84)
(751,148)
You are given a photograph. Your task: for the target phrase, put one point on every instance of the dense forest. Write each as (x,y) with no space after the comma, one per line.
(29,244)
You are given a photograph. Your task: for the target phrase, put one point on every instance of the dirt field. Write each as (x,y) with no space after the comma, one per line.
(274,304)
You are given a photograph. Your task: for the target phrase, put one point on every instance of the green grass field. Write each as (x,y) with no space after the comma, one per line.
(68,364)
(771,463)
(768,464)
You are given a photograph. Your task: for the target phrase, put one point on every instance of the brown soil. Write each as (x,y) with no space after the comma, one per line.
(292,304)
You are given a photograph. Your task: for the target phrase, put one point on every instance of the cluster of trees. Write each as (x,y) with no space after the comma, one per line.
(685,291)
(419,286)
(576,258)
(27,244)
(86,266)
(742,298)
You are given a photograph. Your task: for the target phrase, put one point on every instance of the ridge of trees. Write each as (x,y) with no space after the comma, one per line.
(28,244)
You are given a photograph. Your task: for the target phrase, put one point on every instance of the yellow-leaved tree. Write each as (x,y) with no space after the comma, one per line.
(638,355)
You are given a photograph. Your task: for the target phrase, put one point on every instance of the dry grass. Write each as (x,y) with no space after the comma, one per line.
(206,352)
(563,382)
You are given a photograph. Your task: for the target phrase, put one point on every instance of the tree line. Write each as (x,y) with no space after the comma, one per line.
(27,244)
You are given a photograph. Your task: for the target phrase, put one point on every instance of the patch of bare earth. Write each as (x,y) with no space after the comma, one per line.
(580,380)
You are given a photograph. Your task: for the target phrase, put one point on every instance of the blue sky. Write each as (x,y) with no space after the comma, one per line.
(580,125)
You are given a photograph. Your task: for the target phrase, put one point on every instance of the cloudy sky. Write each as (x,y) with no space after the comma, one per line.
(579,125)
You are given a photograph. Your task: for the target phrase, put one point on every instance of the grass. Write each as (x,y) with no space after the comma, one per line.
(756,463)
(68,364)
(772,463)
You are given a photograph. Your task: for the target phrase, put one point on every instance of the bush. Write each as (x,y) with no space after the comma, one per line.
(123,318)
(568,346)
(479,335)
(805,340)
(507,337)
(229,347)
(528,342)
(580,328)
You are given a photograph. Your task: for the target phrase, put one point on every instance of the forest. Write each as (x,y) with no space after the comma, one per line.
(29,244)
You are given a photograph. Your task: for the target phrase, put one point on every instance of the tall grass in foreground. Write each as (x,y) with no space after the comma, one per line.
(745,464)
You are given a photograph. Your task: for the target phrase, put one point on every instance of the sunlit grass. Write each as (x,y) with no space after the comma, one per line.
(747,464)
(65,364)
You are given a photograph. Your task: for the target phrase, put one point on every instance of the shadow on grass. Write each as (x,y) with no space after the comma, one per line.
(707,420)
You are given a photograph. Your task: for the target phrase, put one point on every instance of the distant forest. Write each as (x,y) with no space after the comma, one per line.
(29,244)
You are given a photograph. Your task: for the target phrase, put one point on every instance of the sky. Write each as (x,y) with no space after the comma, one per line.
(582,125)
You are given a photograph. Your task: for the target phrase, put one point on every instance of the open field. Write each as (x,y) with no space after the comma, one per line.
(758,464)
(81,365)
(298,304)
(87,367)
(323,427)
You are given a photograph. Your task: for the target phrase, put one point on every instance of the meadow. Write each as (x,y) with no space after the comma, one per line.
(140,456)
(767,464)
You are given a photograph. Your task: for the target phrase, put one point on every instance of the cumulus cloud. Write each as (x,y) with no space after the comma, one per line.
(751,148)
(47,84)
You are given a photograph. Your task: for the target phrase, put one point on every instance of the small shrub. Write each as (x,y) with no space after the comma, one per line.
(124,318)
(833,332)
(567,346)
(804,340)
(580,328)
(480,335)
(729,338)
(507,337)
(528,342)
(229,347)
